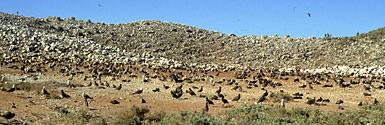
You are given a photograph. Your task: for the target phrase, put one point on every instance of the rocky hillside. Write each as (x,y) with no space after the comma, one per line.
(25,39)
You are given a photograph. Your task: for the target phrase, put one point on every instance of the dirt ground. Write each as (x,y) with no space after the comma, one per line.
(30,106)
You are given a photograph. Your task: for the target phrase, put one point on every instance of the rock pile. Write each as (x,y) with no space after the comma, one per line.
(53,39)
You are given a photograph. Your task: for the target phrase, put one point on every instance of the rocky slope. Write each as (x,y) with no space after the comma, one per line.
(38,39)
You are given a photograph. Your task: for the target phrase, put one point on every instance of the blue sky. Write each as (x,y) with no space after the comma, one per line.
(241,17)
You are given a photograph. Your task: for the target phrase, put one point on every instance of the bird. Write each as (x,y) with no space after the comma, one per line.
(143,101)
(85,95)
(224,100)
(266,93)
(64,95)
(339,102)
(166,87)
(375,101)
(201,89)
(176,94)
(219,90)
(44,92)
(261,99)
(282,102)
(156,90)
(119,87)
(206,108)
(191,92)
(341,108)
(85,102)
(114,102)
(236,98)
(308,14)
(7,115)
(100,5)
(367,94)
(12,89)
(310,101)
(138,91)
(360,104)
(208,101)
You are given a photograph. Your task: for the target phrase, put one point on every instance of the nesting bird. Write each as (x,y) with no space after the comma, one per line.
(12,89)
(7,115)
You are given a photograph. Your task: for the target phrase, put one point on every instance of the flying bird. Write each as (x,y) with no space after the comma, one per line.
(308,14)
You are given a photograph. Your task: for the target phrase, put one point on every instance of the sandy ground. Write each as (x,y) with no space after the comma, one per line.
(30,106)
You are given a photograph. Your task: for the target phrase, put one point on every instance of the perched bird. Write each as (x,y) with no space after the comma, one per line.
(64,95)
(339,102)
(156,90)
(85,96)
(236,98)
(119,87)
(138,91)
(208,101)
(7,115)
(44,92)
(114,102)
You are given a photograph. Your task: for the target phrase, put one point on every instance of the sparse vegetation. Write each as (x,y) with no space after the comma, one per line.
(277,96)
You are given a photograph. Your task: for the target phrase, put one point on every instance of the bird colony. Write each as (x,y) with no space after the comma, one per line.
(107,68)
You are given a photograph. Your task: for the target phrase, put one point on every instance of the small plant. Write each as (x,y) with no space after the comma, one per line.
(277,96)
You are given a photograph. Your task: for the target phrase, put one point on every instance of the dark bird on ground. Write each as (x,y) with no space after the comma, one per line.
(119,87)
(261,99)
(85,96)
(220,95)
(206,108)
(339,102)
(64,95)
(375,101)
(235,87)
(320,99)
(266,93)
(166,87)
(236,98)
(208,101)
(7,115)
(85,102)
(360,104)
(156,90)
(325,100)
(201,89)
(176,94)
(114,102)
(175,78)
(367,94)
(297,94)
(44,92)
(341,108)
(191,92)
(311,101)
(219,90)
(224,100)
(325,86)
(138,91)
(12,89)
(144,101)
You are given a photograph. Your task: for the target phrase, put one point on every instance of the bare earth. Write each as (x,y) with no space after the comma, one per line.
(35,108)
